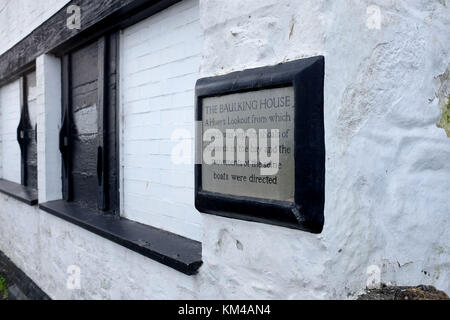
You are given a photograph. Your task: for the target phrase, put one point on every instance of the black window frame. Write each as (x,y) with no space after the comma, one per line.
(306,213)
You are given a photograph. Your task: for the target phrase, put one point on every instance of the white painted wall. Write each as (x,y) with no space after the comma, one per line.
(44,247)
(387,171)
(10,117)
(160,63)
(387,165)
(18,18)
(48,107)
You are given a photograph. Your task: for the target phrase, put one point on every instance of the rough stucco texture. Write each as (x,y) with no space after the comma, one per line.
(388,168)
(387,176)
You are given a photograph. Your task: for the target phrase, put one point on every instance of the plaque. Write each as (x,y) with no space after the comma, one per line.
(260,145)
(265,109)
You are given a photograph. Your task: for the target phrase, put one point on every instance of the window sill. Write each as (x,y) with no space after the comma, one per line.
(179,253)
(19,192)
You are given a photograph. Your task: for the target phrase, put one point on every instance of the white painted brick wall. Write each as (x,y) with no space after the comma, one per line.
(10,117)
(18,18)
(48,84)
(160,64)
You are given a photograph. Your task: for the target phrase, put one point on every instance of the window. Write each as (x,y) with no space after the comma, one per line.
(88,133)
(89,144)
(9,118)
(18,139)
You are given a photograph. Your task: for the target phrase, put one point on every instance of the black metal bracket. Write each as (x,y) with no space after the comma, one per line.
(65,149)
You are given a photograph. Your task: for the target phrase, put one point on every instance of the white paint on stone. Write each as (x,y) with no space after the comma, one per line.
(387,164)
(19,18)
(44,246)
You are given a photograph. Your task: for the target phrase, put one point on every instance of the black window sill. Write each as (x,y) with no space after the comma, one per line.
(177,252)
(19,192)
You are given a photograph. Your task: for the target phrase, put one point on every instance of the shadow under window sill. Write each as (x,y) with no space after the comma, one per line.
(172,250)
(19,192)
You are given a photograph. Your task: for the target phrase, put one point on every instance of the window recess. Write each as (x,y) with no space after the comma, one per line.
(26,133)
(88,140)
(89,145)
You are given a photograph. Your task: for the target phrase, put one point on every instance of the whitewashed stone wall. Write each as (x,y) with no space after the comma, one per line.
(9,118)
(18,18)
(387,171)
(45,247)
(387,176)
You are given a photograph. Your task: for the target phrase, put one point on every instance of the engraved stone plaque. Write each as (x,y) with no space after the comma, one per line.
(260,145)
(269,109)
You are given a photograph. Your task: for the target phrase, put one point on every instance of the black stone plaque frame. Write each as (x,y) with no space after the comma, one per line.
(307,211)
